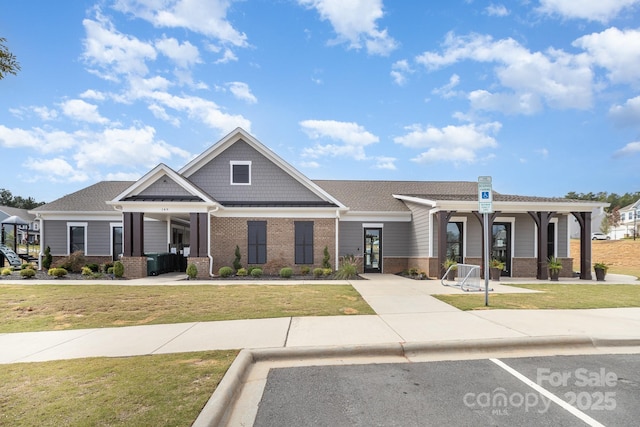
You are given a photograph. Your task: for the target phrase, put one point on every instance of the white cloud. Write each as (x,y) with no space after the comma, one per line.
(93,94)
(456,144)
(618,51)
(241,91)
(56,170)
(122,176)
(508,103)
(183,54)
(496,10)
(387,163)
(591,10)
(207,17)
(115,53)
(559,79)
(352,138)
(45,113)
(627,114)
(399,71)
(36,139)
(630,149)
(447,91)
(162,114)
(80,110)
(354,22)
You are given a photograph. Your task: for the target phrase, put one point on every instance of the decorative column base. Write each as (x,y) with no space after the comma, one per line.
(134,267)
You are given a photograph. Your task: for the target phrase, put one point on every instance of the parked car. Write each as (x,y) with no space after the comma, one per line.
(599,236)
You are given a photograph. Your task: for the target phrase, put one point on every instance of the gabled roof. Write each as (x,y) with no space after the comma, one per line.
(240,134)
(22,213)
(133,192)
(91,199)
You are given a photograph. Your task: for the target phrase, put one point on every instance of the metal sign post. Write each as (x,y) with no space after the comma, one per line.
(485,207)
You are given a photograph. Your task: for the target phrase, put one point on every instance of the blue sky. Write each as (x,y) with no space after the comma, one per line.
(542,95)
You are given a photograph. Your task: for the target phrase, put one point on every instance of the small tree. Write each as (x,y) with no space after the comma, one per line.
(118,269)
(236,262)
(48,259)
(326,258)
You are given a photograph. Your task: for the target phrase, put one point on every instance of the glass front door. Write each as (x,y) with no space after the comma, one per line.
(501,245)
(116,251)
(373,250)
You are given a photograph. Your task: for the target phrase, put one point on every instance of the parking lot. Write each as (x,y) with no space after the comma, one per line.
(556,390)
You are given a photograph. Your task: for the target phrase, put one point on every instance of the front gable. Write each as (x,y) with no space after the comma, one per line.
(270,182)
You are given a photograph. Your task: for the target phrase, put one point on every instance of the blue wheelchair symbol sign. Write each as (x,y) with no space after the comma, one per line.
(485,195)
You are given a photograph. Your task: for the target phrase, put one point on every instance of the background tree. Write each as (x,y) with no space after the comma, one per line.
(8,62)
(7,199)
(614,200)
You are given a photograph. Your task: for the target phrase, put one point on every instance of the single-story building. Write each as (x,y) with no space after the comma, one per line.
(239,193)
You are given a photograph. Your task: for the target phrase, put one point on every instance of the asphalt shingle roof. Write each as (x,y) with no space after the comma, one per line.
(90,199)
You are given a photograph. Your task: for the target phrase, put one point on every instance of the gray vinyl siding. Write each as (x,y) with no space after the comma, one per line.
(524,235)
(165,186)
(269,183)
(562,248)
(55,236)
(155,237)
(98,238)
(474,237)
(418,244)
(396,237)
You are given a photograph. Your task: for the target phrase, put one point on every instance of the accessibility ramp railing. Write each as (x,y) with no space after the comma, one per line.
(464,276)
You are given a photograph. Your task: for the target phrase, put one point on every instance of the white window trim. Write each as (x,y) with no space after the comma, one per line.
(86,242)
(555,238)
(232,163)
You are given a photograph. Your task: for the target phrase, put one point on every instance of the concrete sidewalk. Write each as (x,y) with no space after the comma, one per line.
(406,313)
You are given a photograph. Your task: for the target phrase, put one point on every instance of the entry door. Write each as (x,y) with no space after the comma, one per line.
(373,250)
(501,245)
(116,250)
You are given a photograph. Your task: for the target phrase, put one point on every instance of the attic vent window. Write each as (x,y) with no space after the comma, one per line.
(240,173)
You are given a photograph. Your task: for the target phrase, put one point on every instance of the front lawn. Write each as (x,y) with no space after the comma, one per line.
(159,390)
(553,296)
(26,308)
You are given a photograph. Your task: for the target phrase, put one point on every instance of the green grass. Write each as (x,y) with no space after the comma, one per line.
(630,271)
(26,308)
(553,296)
(159,390)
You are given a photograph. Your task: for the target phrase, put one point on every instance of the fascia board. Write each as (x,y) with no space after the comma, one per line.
(244,212)
(81,216)
(164,207)
(376,216)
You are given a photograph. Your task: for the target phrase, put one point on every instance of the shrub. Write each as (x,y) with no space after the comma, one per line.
(73,262)
(304,270)
(118,269)
(46,261)
(256,272)
(106,267)
(236,262)
(242,272)
(225,271)
(274,265)
(326,258)
(24,265)
(349,266)
(27,273)
(317,272)
(286,272)
(326,272)
(93,267)
(192,271)
(57,272)
(110,270)
(86,271)
(5,271)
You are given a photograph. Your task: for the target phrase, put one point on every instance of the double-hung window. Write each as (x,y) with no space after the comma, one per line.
(77,237)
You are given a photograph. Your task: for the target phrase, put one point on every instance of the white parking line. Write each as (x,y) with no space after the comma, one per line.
(584,417)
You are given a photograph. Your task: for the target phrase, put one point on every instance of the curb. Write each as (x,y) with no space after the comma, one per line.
(227,391)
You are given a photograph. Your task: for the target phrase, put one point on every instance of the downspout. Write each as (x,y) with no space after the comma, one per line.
(209,240)
(40,253)
(337,263)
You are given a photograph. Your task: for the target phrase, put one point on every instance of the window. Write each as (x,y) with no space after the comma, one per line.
(622,217)
(454,241)
(304,242)
(77,233)
(257,242)
(240,173)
